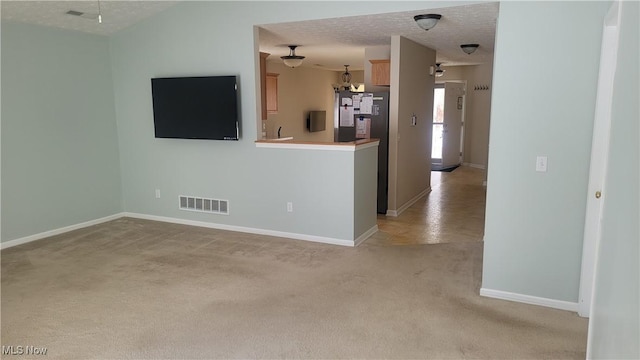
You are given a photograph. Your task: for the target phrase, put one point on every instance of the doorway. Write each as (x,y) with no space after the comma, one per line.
(448,125)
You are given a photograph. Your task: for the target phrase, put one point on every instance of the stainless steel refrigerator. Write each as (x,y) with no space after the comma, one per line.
(366,115)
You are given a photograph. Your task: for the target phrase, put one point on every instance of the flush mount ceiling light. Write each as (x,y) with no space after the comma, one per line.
(427,21)
(469,48)
(292,60)
(439,71)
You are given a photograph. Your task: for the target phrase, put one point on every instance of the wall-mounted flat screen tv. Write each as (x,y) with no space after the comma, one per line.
(203,107)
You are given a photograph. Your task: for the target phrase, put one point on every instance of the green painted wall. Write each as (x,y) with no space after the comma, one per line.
(217,38)
(365,183)
(615,327)
(60,163)
(544,89)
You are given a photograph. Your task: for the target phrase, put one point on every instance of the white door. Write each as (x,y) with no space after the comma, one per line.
(452,125)
(599,154)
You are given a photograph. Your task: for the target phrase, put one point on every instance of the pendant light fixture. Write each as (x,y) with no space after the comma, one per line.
(469,48)
(346,78)
(427,21)
(292,60)
(439,71)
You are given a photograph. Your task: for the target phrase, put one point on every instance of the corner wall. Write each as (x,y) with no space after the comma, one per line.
(409,146)
(60,162)
(535,220)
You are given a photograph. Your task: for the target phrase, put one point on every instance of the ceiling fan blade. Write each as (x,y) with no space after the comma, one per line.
(89,16)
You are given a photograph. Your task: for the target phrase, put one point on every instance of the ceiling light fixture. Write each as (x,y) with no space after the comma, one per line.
(427,21)
(439,71)
(469,48)
(346,78)
(292,60)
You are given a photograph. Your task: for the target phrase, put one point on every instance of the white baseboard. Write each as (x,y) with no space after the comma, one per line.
(320,239)
(477,166)
(408,203)
(305,237)
(42,235)
(365,236)
(528,299)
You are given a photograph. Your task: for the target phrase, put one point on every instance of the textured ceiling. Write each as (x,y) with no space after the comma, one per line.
(327,43)
(116,15)
(331,43)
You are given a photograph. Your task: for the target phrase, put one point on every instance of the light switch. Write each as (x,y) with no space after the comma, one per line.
(541,164)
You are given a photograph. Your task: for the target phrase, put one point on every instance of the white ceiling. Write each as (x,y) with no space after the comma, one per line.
(326,43)
(116,15)
(332,43)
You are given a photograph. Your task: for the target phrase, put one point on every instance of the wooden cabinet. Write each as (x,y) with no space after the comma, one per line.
(263,84)
(272,93)
(381,72)
(268,89)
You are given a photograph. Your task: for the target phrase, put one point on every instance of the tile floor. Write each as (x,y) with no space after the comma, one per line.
(452,212)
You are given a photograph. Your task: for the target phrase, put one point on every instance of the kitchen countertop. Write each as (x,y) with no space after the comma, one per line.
(316,145)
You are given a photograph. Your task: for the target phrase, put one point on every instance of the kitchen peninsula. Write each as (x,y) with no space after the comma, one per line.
(340,176)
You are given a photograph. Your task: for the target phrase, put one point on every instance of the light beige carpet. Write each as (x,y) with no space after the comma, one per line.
(142,289)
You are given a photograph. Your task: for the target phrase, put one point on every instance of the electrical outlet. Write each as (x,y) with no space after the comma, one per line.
(541,164)
(289,207)
(157,193)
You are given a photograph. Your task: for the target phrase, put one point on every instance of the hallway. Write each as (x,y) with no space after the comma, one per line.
(452,212)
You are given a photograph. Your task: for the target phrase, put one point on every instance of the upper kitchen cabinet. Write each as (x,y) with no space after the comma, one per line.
(380,72)
(272,93)
(263,84)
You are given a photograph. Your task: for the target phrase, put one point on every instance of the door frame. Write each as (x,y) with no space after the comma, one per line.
(441,84)
(599,156)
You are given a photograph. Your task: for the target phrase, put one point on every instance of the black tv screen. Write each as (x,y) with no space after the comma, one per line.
(196,107)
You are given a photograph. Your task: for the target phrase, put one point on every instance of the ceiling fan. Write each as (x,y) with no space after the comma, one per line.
(86,15)
(439,71)
(82,14)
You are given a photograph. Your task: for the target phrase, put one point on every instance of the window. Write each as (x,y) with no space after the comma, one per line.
(438,120)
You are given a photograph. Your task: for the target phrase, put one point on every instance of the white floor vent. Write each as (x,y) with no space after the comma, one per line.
(213,206)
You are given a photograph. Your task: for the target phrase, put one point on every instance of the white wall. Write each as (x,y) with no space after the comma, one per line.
(534,221)
(301,90)
(409,146)
(60,162)
(615,328)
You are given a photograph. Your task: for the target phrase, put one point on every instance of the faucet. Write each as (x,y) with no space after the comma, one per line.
(280,128)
